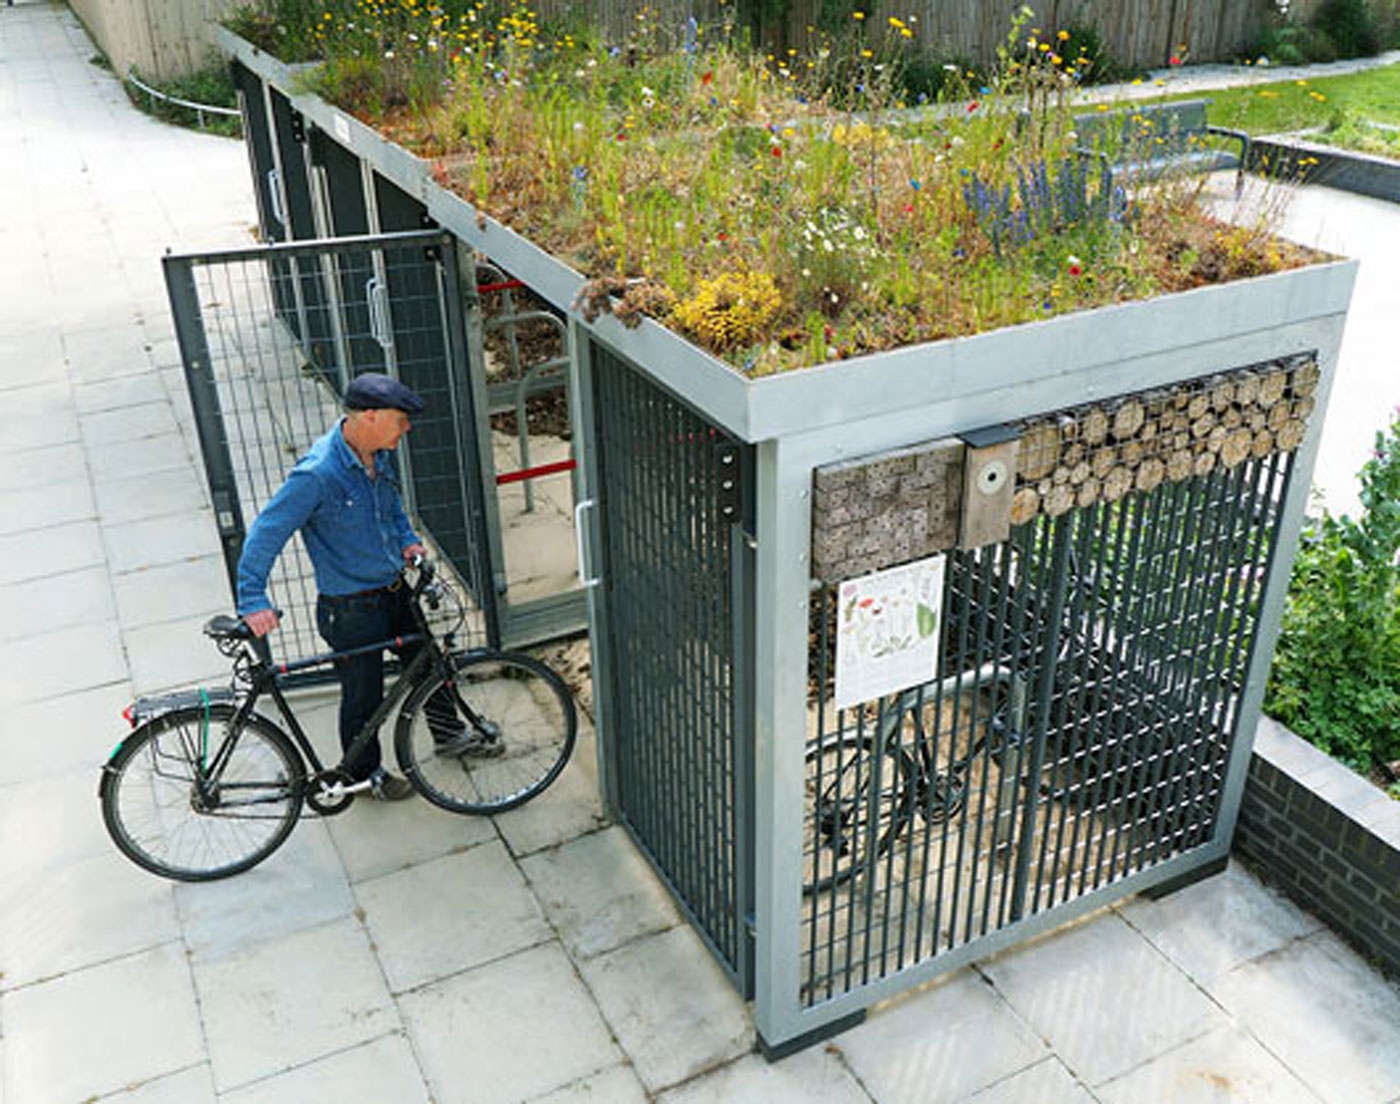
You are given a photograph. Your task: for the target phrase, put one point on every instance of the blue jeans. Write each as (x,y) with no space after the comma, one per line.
(352,622)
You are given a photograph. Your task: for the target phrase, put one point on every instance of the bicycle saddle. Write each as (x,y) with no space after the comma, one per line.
(227,627)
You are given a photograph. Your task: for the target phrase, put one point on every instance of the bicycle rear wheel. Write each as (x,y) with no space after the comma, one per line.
(855,805)
(515,714)
(168,811)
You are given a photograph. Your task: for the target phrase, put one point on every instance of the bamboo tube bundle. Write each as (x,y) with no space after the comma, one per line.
(1101,451)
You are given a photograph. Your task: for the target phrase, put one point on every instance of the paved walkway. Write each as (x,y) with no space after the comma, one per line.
(397,955)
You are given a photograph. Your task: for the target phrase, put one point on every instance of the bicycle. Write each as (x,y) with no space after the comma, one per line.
(204,786)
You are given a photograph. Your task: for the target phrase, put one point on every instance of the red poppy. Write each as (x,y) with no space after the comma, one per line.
(706,78)
(777,151)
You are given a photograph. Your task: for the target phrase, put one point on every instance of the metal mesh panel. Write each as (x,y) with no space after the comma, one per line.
(263,392)
(1078,730)
(677,733)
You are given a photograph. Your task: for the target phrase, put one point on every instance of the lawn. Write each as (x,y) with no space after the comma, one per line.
(1341,103)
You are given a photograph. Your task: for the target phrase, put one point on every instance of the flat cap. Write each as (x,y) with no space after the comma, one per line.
(376,391)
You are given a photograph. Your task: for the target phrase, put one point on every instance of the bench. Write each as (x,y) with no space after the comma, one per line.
(1147,141)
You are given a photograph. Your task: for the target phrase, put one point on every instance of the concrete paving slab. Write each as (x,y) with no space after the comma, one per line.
(496,1035)
(618,1085)
(940,1044)
(119,394)
(1227,1064)
(48,823)
(31,508)
(1071,988)
(1046,1082)
(130,1021)
(568,809)
(673,1010)
(55,602)
(1332,1020)
(31,354)
(52,551)
(79,915)
(445,916)
(599,892)
(78,658)
(156,454)
(102,354)
(39,467)
(1215,925)
(382,1070)
(301,886)
(184,592)
(139,544)
(127,427)
(814,1076)
(191,1086)
(38,416)
(151,495)
(276,1005)
(70,734)
(174,654)
(375,839)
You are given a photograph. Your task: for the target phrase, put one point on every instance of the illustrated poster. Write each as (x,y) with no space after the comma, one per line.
(887,631)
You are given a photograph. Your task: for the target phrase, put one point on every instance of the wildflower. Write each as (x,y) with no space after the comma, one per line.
(1063,36)
(1074,266)
(1174,60)
(914,184)
(972,107)
(730,309)
(857,15)
(706,77)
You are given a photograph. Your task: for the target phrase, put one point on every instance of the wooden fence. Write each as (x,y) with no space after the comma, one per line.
(1137,33)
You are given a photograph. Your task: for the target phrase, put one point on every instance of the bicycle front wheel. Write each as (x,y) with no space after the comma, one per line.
(188,798)
(856,802)
(489,737)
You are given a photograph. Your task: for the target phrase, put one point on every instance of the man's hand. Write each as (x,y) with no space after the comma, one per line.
(261,621)
(414,552)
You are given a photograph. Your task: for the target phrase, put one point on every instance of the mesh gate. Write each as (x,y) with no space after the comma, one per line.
(269,339)
(1078,732)
(679,739)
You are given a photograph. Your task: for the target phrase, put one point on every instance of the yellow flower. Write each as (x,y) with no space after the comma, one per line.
(857,15)
(1063,36)
(730,309)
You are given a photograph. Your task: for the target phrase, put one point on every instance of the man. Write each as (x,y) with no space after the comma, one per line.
(342,497)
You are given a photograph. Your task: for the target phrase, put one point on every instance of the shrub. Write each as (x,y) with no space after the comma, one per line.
(1336,675)
(1351,26)
(211,85)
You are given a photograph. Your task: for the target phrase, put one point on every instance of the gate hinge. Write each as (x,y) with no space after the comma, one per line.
(298,124)
(729,497)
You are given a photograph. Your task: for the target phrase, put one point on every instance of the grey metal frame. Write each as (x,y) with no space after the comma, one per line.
(802,420)
(261,385)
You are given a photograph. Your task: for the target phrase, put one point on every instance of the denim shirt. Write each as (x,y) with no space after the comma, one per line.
(353,526)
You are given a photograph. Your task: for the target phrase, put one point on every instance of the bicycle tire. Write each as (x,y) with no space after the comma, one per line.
(838,839)
(522,700)
(156,817)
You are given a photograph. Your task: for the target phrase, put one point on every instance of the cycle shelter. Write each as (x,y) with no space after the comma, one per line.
(876,704)
(271,335)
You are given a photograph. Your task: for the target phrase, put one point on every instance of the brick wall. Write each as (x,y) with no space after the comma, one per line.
(1327,838)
